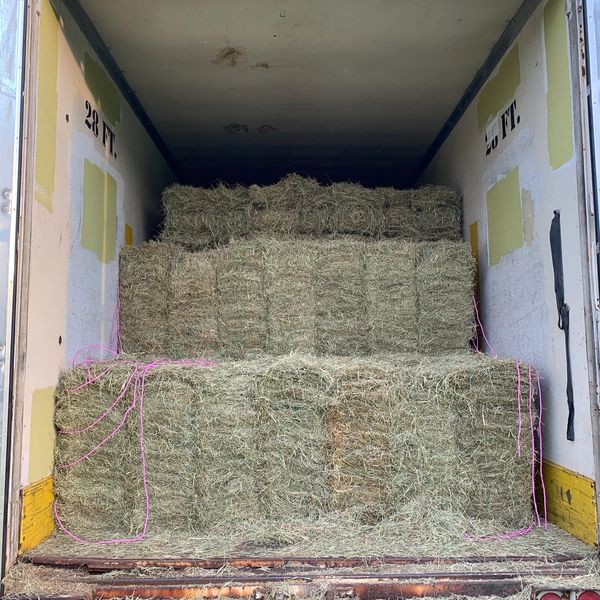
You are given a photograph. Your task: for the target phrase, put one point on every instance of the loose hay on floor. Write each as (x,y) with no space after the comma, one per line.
(332,296)
(268,448)
(205,217)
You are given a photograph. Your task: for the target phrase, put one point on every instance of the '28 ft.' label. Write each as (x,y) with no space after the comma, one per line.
(99,126)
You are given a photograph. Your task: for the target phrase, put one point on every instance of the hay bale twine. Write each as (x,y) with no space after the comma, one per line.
(290,296)
(391,296)
(341,326)
(445,275)
(144,286)
(192,320)
(241,308)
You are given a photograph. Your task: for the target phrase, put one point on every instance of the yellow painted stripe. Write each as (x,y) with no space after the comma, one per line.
(37,521)
(47,106)
(128,235)
(571,501)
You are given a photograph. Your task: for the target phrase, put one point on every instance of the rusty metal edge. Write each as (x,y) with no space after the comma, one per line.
(99,565)
(361,591)
(322,577)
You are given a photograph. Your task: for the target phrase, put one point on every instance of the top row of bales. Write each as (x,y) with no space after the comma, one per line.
(199,218)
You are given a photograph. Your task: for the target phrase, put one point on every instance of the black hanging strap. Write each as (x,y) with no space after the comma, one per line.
(563,313)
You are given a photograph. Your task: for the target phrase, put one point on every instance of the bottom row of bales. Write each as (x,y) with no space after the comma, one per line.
(282,441)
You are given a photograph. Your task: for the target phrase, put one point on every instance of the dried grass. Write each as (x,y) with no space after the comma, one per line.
(332,296)
(199,218)
(277,448)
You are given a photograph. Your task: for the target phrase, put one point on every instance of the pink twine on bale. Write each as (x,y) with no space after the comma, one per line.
(138,377)
(481,328)
(525,530)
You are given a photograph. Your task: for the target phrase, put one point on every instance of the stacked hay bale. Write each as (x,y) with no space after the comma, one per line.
(200,218)
(343,296)
(282,440)
(345,390)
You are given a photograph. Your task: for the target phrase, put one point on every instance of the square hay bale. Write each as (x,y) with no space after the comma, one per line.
(276,208)
(291,400)
(438,212)
(241,303)
(399,217)
(94,495)
(316,208)
(224,431)
(144,286)
(192,320)
(290,295)
(204,217)
(360,454)
(170,441)
(341,324)
(391,296)
(445,274)
(356,209)
(487,418)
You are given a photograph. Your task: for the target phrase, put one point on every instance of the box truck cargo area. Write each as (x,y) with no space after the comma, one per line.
(300,298)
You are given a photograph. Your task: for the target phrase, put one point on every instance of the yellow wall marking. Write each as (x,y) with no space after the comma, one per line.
(500,90)
(42,434)
(47,107)
(558,98)
(505,229)
(103,89)
(37,521)
(99,223)
(128,235)
(571,501)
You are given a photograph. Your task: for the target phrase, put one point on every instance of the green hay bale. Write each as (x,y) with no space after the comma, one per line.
(360,455)
(399,217)
(242,309)
(445,274)
(356,209)
(391,296)
(199,218)
(290,295)
(437,211)
(192,320)
(340,297)
(334,296)
(251,451)
(170,445)
(227,466)
(144,286)
(277,207)
(291,397)
(94,496)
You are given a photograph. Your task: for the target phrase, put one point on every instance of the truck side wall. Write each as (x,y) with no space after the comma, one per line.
(98,176)
(511,186)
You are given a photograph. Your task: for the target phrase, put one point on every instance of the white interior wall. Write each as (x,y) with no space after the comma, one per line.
(72,293)
(517,294)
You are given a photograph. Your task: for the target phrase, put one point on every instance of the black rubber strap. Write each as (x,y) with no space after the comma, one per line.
(563,313)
